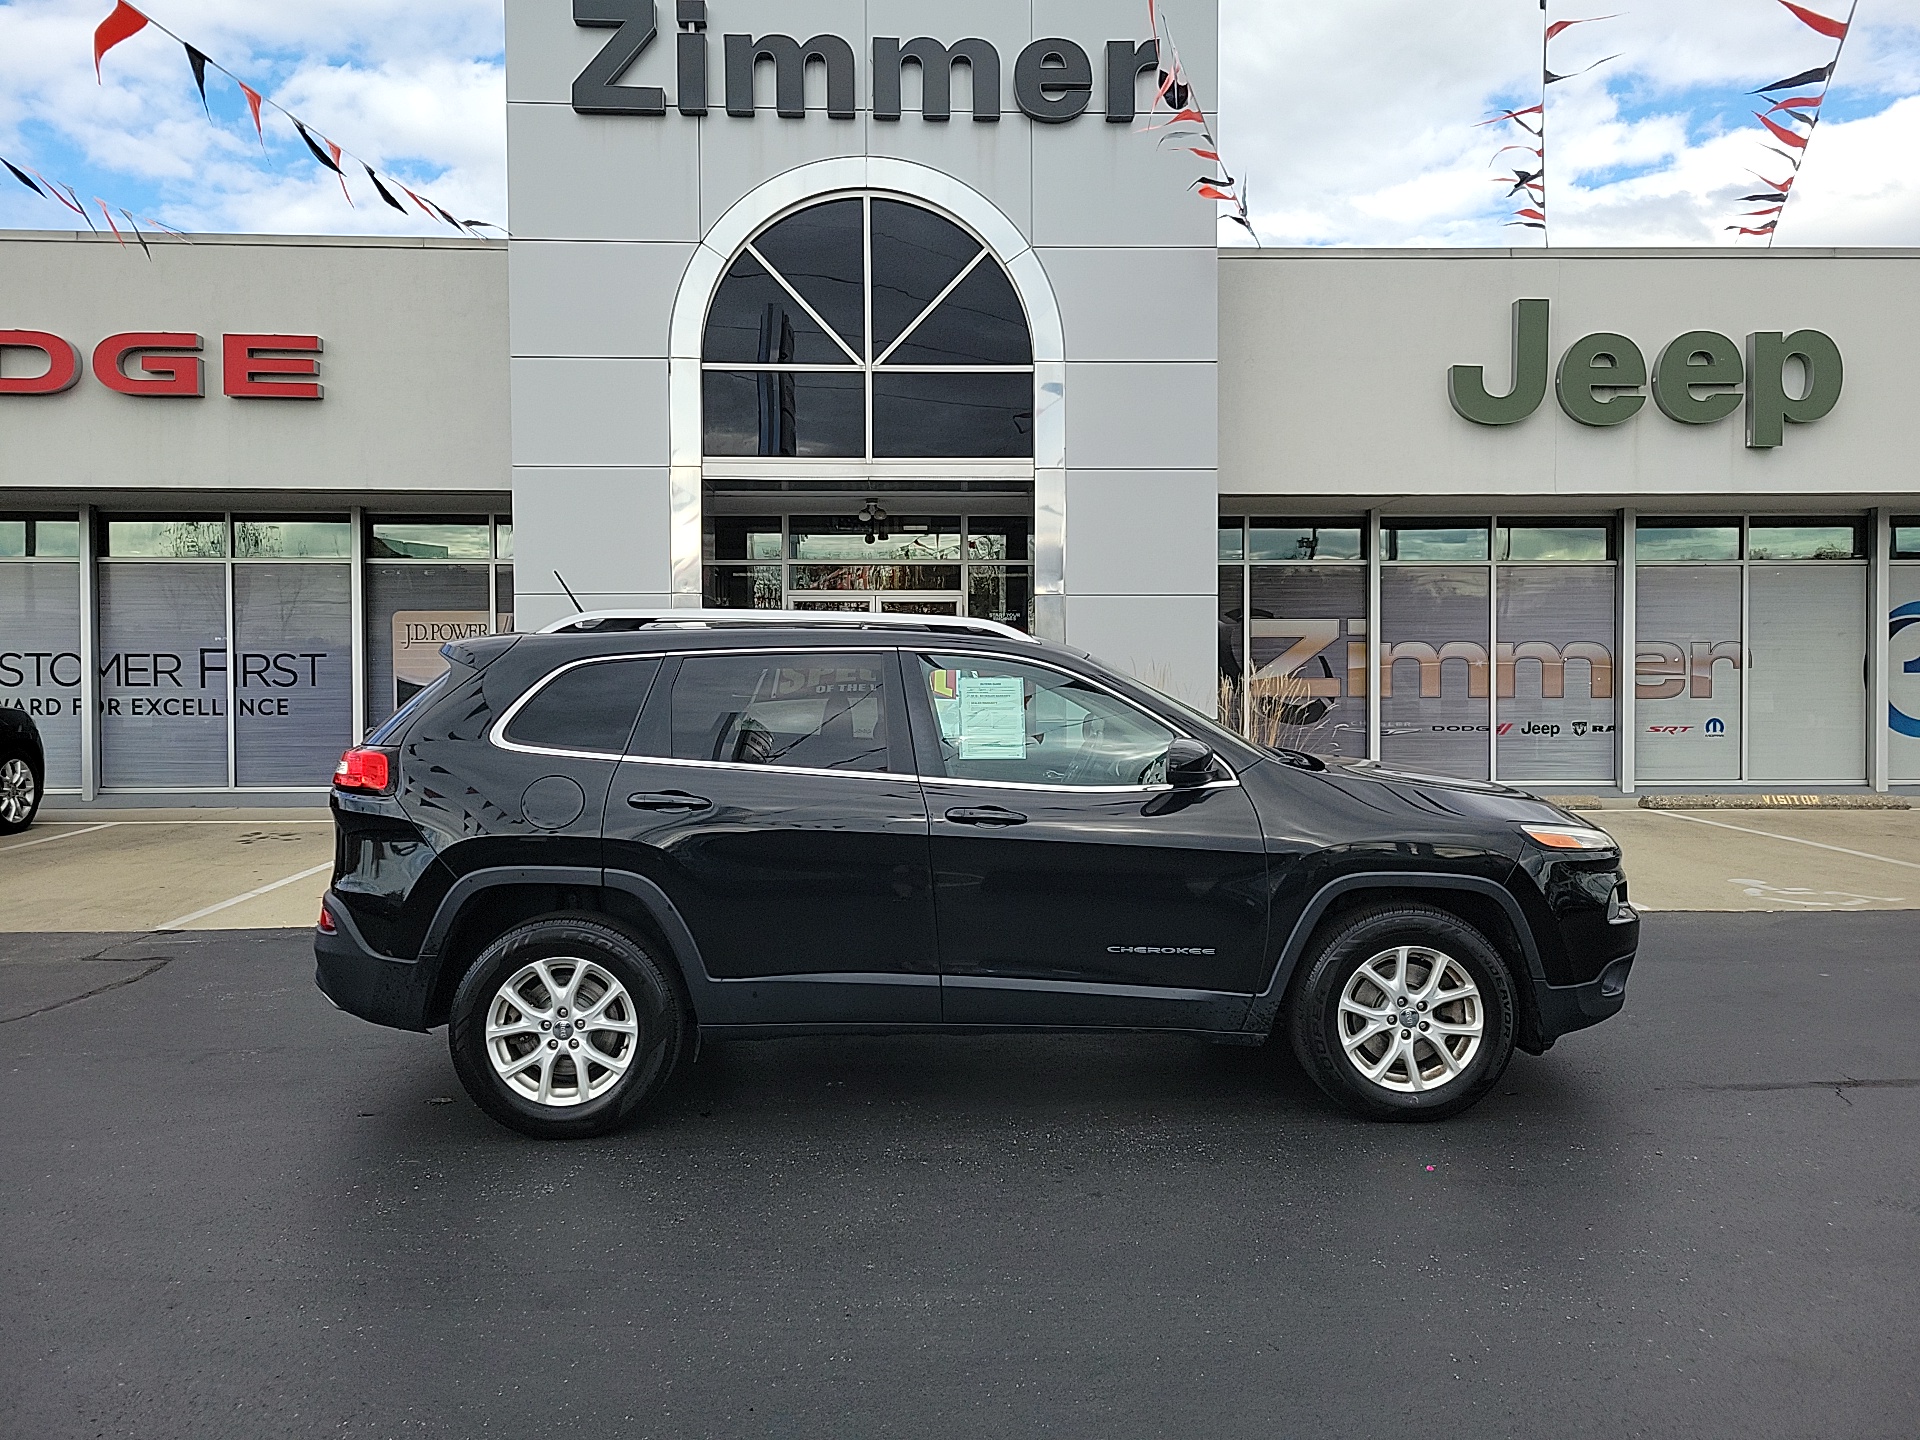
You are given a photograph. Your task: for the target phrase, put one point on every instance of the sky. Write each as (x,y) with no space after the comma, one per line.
(1351,122)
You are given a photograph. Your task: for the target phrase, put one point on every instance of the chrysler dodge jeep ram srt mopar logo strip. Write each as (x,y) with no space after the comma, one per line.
(1053,79)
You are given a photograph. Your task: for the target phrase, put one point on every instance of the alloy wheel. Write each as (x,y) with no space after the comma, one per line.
(16,791)
(561,1032)
(1411,1019)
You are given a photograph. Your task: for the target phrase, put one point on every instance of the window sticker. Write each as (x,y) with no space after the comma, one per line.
(993,717)
(945,684)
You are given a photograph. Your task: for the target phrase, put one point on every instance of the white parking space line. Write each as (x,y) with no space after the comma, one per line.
(1791,840)
(186,920)
(49,839)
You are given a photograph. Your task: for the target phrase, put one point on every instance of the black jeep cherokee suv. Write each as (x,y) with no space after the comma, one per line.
(584,850)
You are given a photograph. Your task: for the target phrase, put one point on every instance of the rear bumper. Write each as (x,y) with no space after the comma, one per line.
(363,982)
(1562,1009)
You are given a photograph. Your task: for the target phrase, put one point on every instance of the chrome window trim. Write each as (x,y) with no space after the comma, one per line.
(767,769)
(497,733)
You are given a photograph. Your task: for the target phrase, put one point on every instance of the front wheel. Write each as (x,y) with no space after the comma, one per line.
(1404,1013)
(563,1027)
(20,791)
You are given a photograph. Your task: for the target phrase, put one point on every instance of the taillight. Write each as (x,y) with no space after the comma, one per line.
(368,771)
(326,925)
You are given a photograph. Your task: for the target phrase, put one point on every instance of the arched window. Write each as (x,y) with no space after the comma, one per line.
(868,328)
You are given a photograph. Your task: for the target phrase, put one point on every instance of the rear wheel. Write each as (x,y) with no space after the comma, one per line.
(20,789)
(564,1027)
(1404,1013)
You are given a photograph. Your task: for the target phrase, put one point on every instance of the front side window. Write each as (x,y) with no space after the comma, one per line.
(1020,724)
(801,712)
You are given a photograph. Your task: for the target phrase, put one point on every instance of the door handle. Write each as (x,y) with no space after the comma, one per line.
(669,800)
(991,815)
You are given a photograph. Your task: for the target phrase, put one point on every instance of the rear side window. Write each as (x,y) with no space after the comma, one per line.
(588,707)
(806,712)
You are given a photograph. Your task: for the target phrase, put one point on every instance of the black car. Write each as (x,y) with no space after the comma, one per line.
(586,850)
(23,769)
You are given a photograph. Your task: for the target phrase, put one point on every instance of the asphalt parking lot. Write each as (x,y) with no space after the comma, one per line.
(232,1211)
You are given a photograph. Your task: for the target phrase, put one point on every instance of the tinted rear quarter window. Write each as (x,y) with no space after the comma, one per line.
(589,707)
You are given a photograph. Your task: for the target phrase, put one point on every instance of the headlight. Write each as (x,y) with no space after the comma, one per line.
(1570,837)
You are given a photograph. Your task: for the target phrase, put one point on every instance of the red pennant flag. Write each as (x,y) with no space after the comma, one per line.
(1189,115)
(70,200)
(1770,210)
(1212,155)
(1530,214)
(1781,133)
(110,225)
(1213,192)
(335,149)
(253,104)
(1832,29)
(1510,115)
(1798,102)
(123,24)
(1766,229)
(1558,26)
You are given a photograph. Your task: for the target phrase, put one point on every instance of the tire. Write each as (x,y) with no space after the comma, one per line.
(512,1036)
(21,789)
(1416,1069)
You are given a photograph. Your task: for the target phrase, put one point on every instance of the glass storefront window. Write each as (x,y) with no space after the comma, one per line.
(320,538)
(1906,539)
(1435,668)
(1433,541)
(40,663)
(293,672)
(163,676)
(1557,682)
(1903,669)
(734,537)
(834,537)
(503,539)
(743,587)
(874,577)
(1233,539)
(165,538)
(412,610)
(1658,540)
(1805,540)
(1689,668)
(996,537)
(438,539)
(31,537)
(1547,542)
(1307,646)
(1001,593)
(1273,541)
(1807,641)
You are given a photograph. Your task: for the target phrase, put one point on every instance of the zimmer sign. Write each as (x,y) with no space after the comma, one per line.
(1701,378)
(1053,79)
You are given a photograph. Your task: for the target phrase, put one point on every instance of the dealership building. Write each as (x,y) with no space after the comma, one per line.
(807,309)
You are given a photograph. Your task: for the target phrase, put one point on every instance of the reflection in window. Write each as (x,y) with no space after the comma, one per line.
(1655,541)
(1804,541)
(1020,724)
(833,537)
(1270,540)
(951,348)
(1426,540)
(30,537)
(1566,543)
(1233,539)
(1906,540)
(450,539)
(824,712)
(183,538)
(318,539)
(588,708)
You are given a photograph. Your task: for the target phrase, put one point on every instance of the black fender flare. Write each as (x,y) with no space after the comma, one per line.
(655,901)
(1266,1005)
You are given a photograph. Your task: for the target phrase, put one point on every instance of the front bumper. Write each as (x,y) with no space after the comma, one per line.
(363,982)
(1562,1009)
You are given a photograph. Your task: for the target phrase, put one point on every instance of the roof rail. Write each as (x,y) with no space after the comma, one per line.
(614,620)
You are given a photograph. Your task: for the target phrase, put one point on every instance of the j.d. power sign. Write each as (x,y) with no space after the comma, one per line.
(1053,80)
(1698,379)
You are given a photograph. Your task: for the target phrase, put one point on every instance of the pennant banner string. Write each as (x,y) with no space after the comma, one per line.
(126,21)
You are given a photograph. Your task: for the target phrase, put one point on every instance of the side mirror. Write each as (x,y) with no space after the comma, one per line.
(1190,764)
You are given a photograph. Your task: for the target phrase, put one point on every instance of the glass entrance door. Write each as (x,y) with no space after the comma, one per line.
(874,563)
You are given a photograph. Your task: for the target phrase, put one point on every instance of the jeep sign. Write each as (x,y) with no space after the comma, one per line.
(1696,380)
